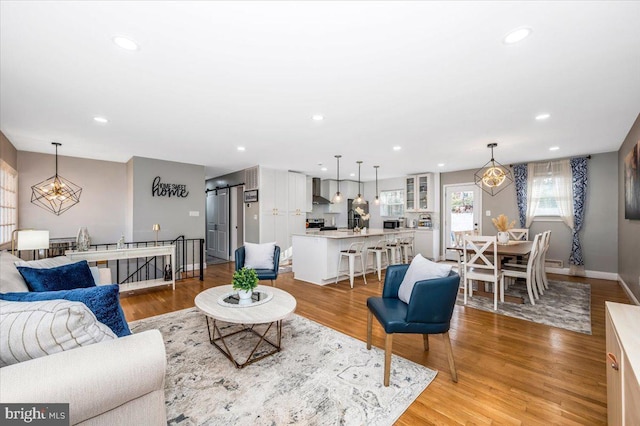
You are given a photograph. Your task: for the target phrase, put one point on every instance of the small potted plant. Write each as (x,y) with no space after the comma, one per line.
(502,225)
(245,280)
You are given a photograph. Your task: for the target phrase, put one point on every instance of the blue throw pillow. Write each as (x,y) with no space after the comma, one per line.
(103,301)
(65,277)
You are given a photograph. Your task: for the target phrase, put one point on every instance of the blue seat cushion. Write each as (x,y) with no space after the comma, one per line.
(103,301)
(392,314)
(266,274)
(65,277)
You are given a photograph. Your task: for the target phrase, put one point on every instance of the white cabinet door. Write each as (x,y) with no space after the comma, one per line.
(410,194)
(424,192)
(423,243)
(267,192)
(297,192)
(309,195)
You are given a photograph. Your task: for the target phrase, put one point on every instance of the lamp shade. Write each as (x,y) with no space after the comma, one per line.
(33,240)
(156,226)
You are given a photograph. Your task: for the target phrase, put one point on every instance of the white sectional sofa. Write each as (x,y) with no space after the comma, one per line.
(116,382)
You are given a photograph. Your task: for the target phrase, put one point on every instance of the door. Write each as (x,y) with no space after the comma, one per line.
(218,223)
(463,206)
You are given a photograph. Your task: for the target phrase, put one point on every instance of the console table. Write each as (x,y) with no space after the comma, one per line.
(131,253)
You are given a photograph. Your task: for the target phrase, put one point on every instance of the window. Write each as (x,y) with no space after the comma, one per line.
(8,202)
(549,191)
(392,203)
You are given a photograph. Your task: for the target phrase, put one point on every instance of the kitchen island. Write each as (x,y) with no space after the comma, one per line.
(316,253)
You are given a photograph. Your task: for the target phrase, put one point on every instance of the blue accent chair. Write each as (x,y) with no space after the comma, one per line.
(263,274)
(429,312)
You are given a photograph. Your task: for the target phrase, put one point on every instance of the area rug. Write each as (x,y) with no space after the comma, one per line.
(320,377)
(564,305)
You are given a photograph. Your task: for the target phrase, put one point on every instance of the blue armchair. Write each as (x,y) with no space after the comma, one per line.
(263,274)
(429,312)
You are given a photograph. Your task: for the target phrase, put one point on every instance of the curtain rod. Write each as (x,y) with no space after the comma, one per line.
(588,157)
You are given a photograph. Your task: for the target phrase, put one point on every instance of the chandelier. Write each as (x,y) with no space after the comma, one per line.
(56,194)
(493,177)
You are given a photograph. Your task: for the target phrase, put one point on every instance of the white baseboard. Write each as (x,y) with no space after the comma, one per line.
(627,290)
(613,276)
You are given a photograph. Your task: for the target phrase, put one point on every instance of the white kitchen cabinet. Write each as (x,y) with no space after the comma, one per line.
(426,242)
(623,364)
(309,197)
(274,189)
(419,193)
(297,193)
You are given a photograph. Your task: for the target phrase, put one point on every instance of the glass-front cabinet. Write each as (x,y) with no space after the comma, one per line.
(410,195)
(419,193)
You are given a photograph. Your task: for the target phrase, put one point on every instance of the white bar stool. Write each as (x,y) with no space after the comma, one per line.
(355,249)
(406,245)
(378,250)
(395,251)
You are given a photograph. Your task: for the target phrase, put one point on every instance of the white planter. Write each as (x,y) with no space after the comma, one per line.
(245,294)
(503,238)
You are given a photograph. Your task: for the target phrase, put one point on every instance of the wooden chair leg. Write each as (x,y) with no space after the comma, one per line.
(388,342)
(425,340)
(452,364)
(369,326)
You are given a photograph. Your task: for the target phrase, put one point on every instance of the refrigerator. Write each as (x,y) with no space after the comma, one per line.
(353,218)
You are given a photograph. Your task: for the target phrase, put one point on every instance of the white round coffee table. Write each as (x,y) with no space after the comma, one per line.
(271,312)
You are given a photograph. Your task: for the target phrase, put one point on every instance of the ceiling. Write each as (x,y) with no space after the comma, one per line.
(434,78)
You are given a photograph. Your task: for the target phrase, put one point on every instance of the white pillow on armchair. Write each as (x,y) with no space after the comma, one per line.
(259,256)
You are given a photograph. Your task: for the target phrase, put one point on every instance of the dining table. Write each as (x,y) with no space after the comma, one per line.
(511,249)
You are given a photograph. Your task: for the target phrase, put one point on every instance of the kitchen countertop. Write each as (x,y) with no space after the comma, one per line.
(348,233)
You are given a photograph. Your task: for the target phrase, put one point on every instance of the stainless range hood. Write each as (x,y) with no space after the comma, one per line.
(315,187)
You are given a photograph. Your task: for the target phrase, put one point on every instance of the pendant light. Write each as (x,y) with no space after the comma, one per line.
(377,199)
(493,177)
(337,198)
(56,194)
(359,200)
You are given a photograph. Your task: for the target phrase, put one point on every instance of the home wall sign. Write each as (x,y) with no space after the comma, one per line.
(159,189)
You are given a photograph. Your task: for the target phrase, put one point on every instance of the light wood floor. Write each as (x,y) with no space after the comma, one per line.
(510,371)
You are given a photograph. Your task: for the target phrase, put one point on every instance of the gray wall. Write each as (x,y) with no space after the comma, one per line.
(599,232)
(628,230)
(8,152)
(102,202)
(172,213)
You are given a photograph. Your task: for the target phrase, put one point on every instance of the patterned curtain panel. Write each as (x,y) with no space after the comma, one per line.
(579,175)
(520,176)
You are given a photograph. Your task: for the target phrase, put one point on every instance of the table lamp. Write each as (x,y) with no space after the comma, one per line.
(32,240)
(156,228)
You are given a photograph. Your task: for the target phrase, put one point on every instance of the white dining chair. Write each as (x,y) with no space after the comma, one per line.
(394,251)
(379,249)
(481,254)
(528,273)
(541,273)
(519,234)
(354,250)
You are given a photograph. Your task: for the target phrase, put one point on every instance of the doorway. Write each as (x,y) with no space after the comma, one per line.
(462,209)
(218,225)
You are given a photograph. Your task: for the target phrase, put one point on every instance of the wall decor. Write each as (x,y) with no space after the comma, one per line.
(251,196)
(632,184)
(159,189)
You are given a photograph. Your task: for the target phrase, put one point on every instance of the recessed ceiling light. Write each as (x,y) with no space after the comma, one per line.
(125,43)
(241,148)
(517,35)
(542,116)
(554,148)
(440,164)
(317,117)
(324,169)
(101,120)
(397,148)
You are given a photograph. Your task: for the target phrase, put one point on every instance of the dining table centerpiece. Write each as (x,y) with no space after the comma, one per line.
(503,225)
